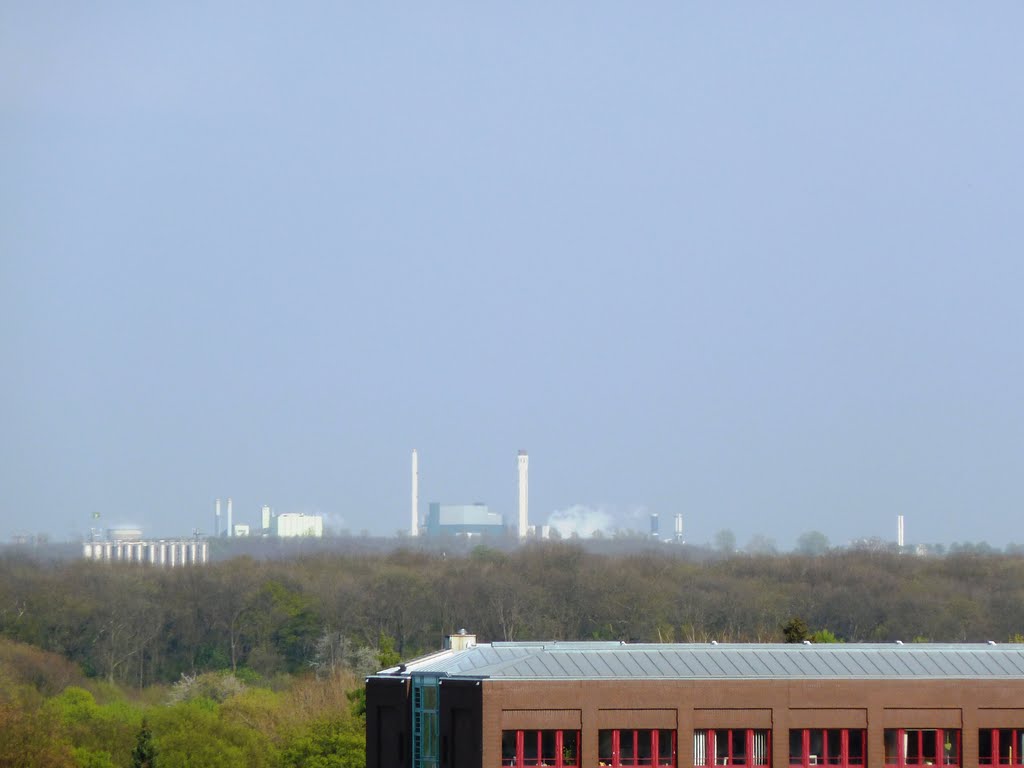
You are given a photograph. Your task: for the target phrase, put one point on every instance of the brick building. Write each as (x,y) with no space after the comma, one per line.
(585,705)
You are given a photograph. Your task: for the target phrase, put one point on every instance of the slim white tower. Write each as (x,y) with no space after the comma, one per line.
(265,522)
(414,529)
(216,517)
(524,494)
(231,527)
(899,531)
(679,529)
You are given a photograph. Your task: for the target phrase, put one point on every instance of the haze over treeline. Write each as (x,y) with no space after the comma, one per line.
(139,625)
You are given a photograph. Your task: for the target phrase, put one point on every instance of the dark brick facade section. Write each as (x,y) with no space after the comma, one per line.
(474,712)
(461,723)
(388,722)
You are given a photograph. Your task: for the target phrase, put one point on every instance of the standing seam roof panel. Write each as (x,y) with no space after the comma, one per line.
(790,668)
(988,663)
(976,663)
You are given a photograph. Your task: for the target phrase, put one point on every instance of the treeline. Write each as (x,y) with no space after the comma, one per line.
(136,625)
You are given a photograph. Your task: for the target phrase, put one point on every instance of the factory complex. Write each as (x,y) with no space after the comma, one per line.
(590,704)
(441,520)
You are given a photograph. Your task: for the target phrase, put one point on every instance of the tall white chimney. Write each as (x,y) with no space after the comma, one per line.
(899,531)
(524,494)
(231,527)
(216,517)
(679,529)
(265,522)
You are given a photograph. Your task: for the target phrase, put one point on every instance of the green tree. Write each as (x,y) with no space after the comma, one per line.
(795,630)
(194,734)
(812,543)
(144,754)
(387,656)
(824,636)
(725,541)
(325,744)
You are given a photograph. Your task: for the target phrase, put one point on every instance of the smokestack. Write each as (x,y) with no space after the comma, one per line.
(899,531)
(679,529)
(216,517)
(414,529)
(654,526)
(524,493)
(231,527)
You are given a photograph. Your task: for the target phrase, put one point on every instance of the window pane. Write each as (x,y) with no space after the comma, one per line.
(530,747)
(626,749)
(720,743)
(950,747)
(930,747)
(891,746)
(700,747)
(604,747)
(796,747)
(508,748)
(816,747)
(547,746)
(760,741)
(856,746)
(429,697)
(985,746)
(665,739)
(739,746)
(1005,746)
(644,752)
(570,747)
(912,747)
(834,746)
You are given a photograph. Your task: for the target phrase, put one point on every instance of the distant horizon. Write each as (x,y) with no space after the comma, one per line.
(757,543)
(762,268)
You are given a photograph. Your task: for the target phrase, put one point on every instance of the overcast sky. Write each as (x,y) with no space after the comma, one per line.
(760,264)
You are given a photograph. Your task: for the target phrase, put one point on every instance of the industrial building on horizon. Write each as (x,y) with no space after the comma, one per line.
(470,519)
(127,545)
(287,525)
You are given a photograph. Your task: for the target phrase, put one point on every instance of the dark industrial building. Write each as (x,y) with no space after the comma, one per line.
(462,520)
(585,705)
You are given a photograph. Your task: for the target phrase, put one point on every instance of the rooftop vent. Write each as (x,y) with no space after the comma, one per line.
(460,641)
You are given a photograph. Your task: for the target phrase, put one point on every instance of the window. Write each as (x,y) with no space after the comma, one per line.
(524,749)
(732,746)
(1000,746)
(628,748)
(833,746)
(922,746)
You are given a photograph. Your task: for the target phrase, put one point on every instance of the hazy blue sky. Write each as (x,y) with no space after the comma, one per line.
(757,263)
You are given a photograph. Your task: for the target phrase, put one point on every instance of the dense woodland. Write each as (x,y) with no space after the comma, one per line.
(264,658)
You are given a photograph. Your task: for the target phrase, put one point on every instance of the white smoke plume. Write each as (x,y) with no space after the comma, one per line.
(580,520)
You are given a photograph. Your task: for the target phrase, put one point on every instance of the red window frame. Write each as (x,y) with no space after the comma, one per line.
(917,750)
(833,751)
(1005,746)
(632,739)
(732,756)
(566,755)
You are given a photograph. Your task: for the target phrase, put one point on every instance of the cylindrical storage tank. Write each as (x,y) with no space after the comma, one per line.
(205,553)
(172,553)
(87,551)
(193,552)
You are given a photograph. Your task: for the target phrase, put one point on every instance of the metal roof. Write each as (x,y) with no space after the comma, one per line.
(617,661)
